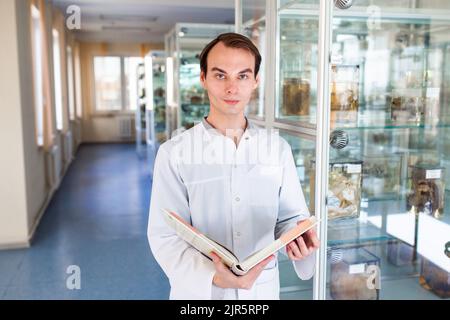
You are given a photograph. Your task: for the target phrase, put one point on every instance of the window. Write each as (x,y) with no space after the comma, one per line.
(37,74)
(115,83)
(70,83)
(58,84)
(79,105)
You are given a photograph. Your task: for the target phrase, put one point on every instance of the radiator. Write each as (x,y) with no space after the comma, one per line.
(125,125)
(53,166)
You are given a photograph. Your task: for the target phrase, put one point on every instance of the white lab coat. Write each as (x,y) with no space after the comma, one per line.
(239,201)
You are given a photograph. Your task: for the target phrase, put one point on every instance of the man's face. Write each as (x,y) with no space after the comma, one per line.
(230,79)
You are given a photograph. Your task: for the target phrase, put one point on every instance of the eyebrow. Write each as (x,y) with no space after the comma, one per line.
(223,71)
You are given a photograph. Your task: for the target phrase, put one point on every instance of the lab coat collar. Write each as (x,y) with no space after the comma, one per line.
(250,129)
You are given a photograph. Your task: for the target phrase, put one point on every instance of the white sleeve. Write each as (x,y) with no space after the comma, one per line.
(188,270)
(293,208)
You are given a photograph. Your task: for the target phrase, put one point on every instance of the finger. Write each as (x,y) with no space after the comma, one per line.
(217,261)
(302,245)
(263,263)
(257,269)
(215,257)
(295,250)
(313,237)
(290,254)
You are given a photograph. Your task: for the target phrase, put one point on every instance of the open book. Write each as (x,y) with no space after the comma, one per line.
(205,245)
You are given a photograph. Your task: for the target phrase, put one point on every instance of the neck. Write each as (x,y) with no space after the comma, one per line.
(232,123)
(232,126)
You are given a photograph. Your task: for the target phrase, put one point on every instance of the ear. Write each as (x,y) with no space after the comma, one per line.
(256,82)
(203,79)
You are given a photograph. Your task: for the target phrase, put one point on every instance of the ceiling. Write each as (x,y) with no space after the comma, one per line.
(143,20)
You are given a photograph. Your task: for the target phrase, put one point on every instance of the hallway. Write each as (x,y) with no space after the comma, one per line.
(97,220)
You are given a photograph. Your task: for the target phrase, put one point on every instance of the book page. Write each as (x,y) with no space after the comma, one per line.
(198,240)
(281,242)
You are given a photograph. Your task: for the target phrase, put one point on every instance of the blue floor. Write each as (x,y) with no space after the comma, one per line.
(96,220)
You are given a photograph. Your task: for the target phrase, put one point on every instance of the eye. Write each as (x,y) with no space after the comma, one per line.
(243,76)
(220,76)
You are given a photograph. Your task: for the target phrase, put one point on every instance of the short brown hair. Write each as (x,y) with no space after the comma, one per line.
(231,40)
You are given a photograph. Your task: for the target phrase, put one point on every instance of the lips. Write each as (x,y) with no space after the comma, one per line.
(232,102)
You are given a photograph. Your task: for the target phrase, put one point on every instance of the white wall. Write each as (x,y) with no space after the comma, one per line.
(24,193)
(34,156)
(13,198)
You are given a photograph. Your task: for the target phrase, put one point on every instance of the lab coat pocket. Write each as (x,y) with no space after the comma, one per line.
(264,185)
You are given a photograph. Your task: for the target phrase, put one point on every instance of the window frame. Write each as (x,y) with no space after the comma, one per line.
(37,49)
(123,87)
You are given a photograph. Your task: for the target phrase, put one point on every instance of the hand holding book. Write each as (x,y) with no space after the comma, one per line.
(225,278)
(303,246)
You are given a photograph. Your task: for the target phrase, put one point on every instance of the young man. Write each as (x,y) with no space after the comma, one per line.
(236,184)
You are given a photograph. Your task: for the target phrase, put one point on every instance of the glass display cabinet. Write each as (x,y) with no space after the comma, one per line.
(141,124)
(362,95)
(155,65)
(254,27)
(187,102)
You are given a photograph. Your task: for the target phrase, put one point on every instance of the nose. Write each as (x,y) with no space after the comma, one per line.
(231,87)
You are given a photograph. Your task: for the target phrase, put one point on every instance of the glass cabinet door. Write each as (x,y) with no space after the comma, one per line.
(193,99)
(296,70)
(303,150)
(155,63)
(388,201)
(184,44)
(254,27)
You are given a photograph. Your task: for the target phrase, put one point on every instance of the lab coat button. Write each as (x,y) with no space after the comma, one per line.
(238,234)
(237,199)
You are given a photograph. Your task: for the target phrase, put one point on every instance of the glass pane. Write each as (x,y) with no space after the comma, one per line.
(253,10)
(388,200)
(79,105)
(159,98)
(303,150)
(58,79)
(193,99)
(108,93)
(70,83)
(297,63)
(254,27)
(37,75)
(132,96)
